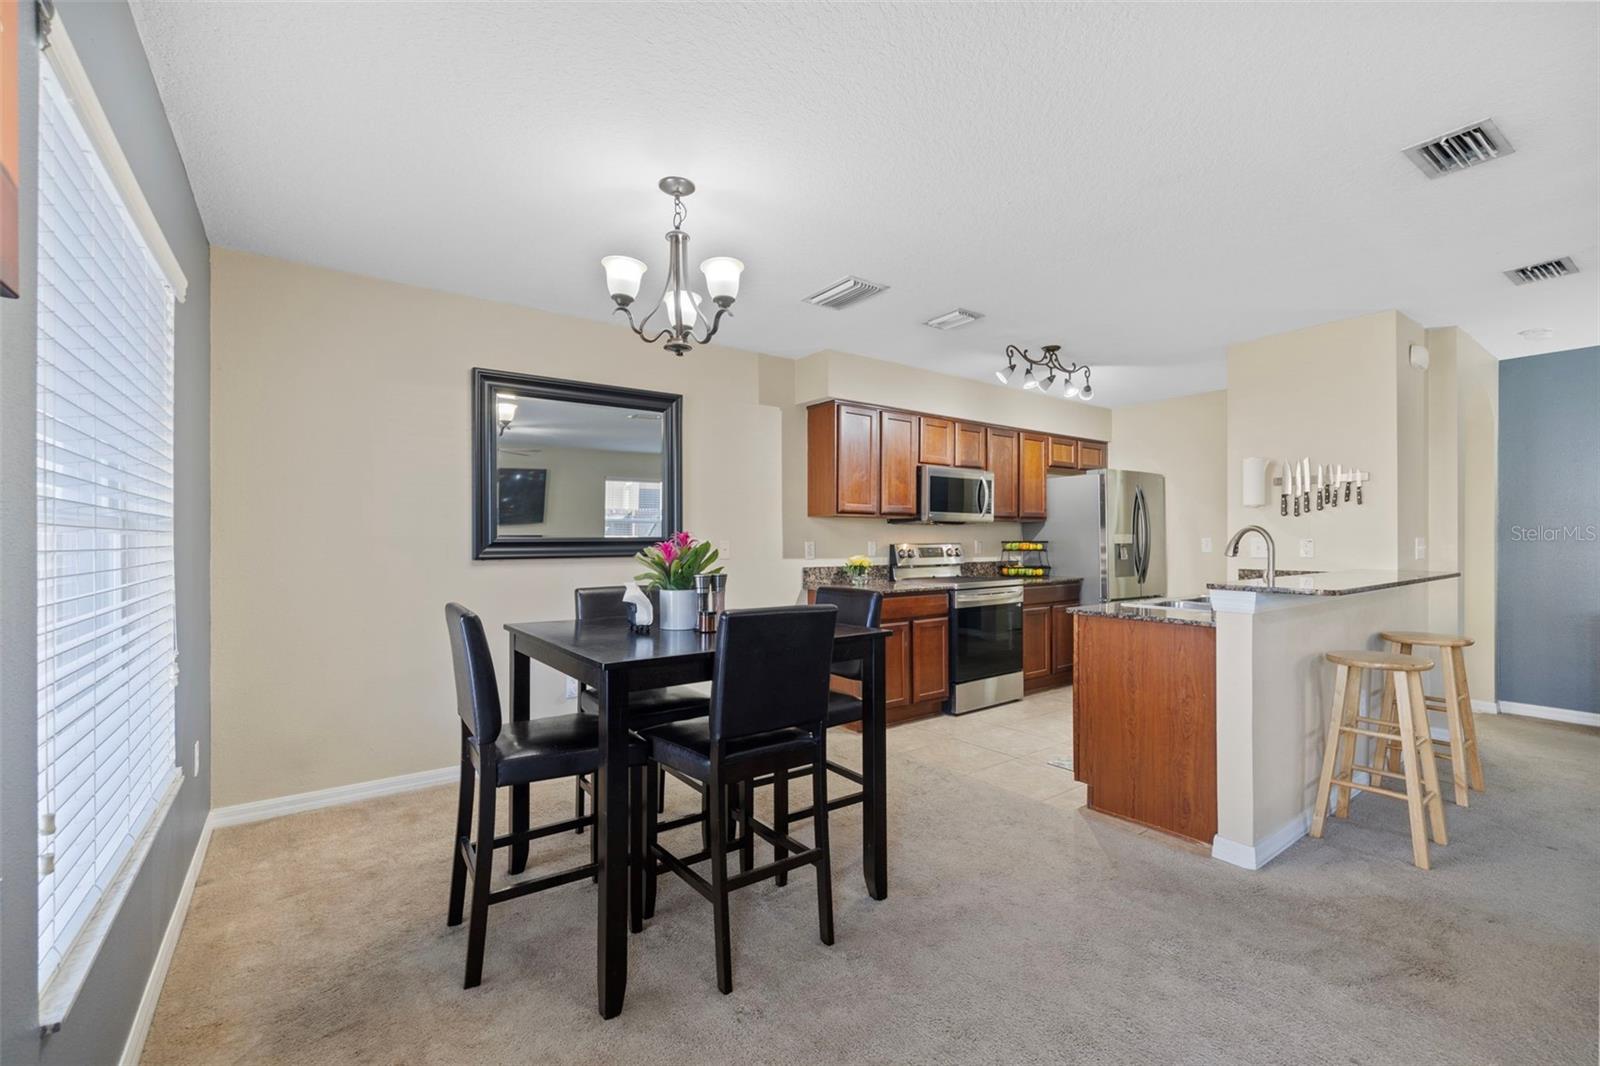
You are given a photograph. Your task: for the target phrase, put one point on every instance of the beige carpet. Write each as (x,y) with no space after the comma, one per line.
(1019,928)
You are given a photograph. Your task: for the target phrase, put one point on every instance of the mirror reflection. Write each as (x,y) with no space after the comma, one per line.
(577,470)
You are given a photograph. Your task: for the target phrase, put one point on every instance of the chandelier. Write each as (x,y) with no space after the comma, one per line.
(679,305)
(1049,360)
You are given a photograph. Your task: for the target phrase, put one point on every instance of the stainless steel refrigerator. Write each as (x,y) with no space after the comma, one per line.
(1108,527)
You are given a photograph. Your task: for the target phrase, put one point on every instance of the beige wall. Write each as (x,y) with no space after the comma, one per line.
(336,543)
(1335,393)
(1187,441)
(792,385)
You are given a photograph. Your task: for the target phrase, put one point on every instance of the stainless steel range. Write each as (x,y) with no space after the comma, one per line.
(985,623)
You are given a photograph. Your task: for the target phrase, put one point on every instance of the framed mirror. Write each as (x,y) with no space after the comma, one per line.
(563,469)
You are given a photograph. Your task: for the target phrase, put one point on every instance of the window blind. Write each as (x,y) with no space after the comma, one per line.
(106,595)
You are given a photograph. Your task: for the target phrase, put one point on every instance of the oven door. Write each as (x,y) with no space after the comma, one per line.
(956,494)
(988,634)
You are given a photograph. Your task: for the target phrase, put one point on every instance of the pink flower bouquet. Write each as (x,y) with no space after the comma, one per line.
(674,563)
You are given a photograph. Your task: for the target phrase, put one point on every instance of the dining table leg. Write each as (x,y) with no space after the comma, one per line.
(875,819)
(611,827)
(521,797)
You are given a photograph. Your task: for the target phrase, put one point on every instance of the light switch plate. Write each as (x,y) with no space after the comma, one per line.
(1258,550)
(1422,548)
(1205,545)
(977,547)
(872,548)
(811,549)
(1308,548)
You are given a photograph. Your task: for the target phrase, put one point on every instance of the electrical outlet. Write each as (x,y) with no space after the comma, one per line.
(811,549)
(725,551)
(977,547)
(1258,550)
(1422,548)
(1205,545)
(1308,548)
(197,758)
(571,691)
(872,548)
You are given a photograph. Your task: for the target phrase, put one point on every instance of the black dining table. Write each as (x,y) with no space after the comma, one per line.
(614,660)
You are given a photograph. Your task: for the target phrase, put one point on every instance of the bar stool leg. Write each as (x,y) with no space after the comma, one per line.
(1452,718)
(1385,757)
(1469,724)
(1430,765)
(1349,709)
(1330,753)
(1409,757)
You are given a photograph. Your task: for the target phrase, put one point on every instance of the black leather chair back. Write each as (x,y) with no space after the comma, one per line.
(772,670)
(477,693)
(857,607)
(600,601)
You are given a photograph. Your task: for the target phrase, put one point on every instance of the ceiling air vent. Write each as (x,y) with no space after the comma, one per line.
(1459,149)
(844,292)
(1555,268)
(953,319)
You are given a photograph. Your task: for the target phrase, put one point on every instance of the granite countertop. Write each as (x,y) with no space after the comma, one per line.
(878,580)
(1338,583)
(1144,612)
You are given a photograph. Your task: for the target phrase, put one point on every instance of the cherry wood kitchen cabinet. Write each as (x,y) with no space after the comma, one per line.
(1091,455)
(842,459)
(936,441)
(1063,453)
(1002,446)
(916,655)
(930,659)
(1047,633)
(897,479)
(971,446)
(1035,643)
(1033,463)
(1144,722)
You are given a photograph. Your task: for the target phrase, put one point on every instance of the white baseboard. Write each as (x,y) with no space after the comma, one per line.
(1254,857)
(1553,714)
(260,810)
(1485,707)
(133,1047)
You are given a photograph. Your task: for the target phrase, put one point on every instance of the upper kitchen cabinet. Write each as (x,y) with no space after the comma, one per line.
(842,459)
(1033,461)
(897,479)
(1002,446)
(1091,455)
(971,446)
(1064,453)
(936,441)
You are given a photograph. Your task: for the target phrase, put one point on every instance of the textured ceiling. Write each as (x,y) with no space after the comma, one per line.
(1142,184)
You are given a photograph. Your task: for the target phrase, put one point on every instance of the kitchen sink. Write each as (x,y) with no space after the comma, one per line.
(1199,603)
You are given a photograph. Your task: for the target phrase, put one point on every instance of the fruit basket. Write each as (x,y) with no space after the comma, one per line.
(1024,558)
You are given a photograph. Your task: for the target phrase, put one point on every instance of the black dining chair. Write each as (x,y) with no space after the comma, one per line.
(857,607)
(769,703)
(647,708)
(502,754)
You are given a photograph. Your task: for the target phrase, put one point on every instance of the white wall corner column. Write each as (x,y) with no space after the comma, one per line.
(1274,697)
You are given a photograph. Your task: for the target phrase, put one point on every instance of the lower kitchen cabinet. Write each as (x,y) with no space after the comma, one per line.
(930,659)
(916,655)
(1047,633)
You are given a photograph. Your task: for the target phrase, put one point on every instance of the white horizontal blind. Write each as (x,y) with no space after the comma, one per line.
(107,641)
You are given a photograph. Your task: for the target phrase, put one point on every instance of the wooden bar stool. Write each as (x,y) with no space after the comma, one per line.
(1410,732)
(1456,705)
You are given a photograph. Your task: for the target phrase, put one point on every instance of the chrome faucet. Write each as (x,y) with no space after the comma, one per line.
(1272,551)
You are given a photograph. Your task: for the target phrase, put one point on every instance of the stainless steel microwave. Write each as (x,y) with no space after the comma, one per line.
(955,494)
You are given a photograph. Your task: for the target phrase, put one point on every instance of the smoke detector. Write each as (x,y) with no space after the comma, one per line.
(1546,271)
(953,319)
(1469,146)
(844,292)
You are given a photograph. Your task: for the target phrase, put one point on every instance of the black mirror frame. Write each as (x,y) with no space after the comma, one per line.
(487,543)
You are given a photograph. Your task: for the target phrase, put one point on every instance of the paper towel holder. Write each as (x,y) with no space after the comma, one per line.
(1253,482)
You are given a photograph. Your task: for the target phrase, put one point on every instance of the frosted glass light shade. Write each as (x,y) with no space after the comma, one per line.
(623,274)
(1005,375)
(722,278)
(1070,390)
(505,411)
(1028,380)
(688,303)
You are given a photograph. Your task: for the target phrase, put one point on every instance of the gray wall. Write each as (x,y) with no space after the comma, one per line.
(96,1029)
(1548,534)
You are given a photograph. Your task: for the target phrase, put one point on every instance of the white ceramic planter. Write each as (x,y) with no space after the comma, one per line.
(678,608)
